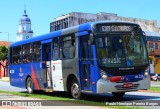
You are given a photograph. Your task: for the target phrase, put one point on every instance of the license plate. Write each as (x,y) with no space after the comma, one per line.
(127,85)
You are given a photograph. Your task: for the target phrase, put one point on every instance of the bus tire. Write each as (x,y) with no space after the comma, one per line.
(118,94)
(30,85)
(75,89)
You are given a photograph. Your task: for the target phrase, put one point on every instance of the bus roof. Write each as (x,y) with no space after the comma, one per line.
(75,29)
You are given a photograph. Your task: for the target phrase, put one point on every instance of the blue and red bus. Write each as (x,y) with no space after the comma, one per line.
(98,57)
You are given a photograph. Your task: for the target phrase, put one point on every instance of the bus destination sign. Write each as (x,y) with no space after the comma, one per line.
(117,28)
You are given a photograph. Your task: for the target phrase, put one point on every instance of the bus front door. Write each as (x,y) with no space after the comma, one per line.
(84,64)
(46,65)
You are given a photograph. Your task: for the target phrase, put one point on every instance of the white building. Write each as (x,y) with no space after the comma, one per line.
(24,31)
(76,18)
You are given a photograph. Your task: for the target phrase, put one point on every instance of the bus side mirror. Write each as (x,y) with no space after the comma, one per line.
(144,37)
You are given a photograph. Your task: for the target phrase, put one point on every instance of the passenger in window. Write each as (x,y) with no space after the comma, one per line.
(23,50)
(20,52)
(30,50)
(15,61)
(55,55)
(102,53)
(18,61)
(72,52)
(117,46)
(29,58)
(73,42)
(62,53)
(24,58)
(38,57)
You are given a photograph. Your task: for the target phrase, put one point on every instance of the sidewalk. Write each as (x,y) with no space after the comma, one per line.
(5,79)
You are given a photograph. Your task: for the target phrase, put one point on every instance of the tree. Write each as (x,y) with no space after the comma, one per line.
(4,58)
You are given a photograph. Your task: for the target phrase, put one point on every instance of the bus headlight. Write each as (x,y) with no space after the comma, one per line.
(146,72)
(104,75)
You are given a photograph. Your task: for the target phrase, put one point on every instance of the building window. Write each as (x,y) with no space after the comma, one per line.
(27,37)
(150,45)
(156,45)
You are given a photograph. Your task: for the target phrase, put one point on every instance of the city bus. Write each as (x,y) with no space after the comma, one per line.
(99,57)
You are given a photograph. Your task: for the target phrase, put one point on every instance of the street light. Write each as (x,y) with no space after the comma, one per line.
(7,33)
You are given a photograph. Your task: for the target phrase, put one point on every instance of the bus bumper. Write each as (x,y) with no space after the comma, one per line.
(107,86)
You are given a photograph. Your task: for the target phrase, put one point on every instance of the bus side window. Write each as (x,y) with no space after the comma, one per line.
(11,55)
(73,48)
(36,51)
(55,49)
(16,55)
(67,47)
(27,53)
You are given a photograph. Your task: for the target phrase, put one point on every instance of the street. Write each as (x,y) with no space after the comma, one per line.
(136,96)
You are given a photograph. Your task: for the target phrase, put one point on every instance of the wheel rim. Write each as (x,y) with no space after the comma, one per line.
(75,90)
(29,86)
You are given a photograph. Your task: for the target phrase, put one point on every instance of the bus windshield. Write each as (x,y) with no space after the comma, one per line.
(121,50)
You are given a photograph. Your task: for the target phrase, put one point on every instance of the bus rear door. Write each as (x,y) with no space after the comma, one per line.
(46,63)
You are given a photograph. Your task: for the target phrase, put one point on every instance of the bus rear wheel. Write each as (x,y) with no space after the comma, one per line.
(75,89)
(30,85)
(118,94)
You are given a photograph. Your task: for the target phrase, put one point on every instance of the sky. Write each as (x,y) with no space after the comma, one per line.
(42,12)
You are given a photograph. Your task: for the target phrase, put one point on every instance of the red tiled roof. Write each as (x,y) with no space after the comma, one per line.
(5,43)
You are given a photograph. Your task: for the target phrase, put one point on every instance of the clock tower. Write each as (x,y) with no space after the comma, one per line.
(24,31)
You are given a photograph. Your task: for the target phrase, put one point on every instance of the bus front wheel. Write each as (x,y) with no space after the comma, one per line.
(75,89)
(30,86)
(118,94)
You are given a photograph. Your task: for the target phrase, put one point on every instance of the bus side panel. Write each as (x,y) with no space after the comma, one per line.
(15,76)
(19,73)
(36,74)
(69,67)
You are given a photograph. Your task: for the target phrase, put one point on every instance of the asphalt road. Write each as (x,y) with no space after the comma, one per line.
(129,97)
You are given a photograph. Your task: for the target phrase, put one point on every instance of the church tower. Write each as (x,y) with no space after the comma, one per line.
(24,31)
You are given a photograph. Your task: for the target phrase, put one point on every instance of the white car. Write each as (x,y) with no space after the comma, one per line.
(154,77)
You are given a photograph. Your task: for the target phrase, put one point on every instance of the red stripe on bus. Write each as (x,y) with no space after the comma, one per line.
(34,79)
(115,78)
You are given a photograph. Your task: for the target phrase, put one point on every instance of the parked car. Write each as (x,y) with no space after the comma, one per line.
(154,77)
(158,77)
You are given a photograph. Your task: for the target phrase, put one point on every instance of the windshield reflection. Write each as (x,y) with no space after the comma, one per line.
(121,50)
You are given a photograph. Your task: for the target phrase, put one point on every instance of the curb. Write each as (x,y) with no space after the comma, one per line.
(148,91)
(6,79)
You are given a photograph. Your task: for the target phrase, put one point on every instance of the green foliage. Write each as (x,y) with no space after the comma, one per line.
(154,89)
(3,53)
